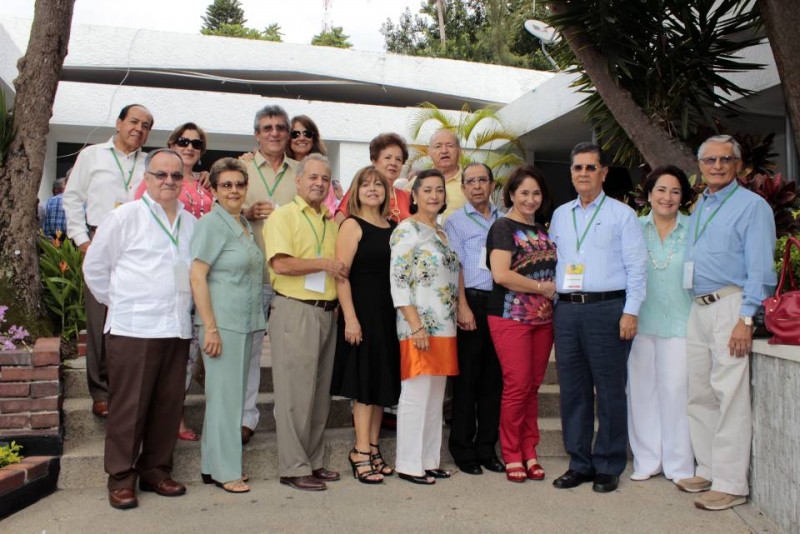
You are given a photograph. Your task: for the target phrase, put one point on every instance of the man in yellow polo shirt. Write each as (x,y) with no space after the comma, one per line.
(301,241)
(444,150)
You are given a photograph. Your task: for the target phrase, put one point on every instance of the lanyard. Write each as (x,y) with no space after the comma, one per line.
(324,229)
(278,178)
(126,183)
(586,230)
(478,221)
(172,238)
(697,230)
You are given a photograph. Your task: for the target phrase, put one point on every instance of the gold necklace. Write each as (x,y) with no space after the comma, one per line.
(394,212)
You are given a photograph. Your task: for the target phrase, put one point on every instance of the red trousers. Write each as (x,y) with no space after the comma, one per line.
(523,351)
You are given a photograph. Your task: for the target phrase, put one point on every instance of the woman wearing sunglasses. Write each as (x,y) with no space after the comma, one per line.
(304,139)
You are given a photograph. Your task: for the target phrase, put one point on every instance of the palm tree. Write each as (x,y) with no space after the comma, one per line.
(478,132)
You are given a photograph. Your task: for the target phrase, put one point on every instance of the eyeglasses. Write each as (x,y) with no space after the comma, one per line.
(280,128)
(183,142)
(591,167)
(231,185)
(308,134)
(161,176)
(483,180)
(724,160)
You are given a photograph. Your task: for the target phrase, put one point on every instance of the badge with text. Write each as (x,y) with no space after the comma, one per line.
(688,274)
(573,276)
(482,260)
(315,282)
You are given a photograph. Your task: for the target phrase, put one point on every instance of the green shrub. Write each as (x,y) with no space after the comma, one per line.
(9,454)
(780,247)
(60,268)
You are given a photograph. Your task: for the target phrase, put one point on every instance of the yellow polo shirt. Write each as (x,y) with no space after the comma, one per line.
(455,197)
(295,229)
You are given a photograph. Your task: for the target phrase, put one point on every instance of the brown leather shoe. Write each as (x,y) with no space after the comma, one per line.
(100,408)
(122,499)
(165,488)
(247,433)
(325,474)
(306,483)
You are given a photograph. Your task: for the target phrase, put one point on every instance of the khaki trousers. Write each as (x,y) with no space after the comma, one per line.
(303,343)
(720,417)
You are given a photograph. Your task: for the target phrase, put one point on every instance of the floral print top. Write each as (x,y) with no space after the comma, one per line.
(424,273)
(533,255)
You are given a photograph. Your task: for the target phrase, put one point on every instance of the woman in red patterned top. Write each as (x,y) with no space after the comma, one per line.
(522,259)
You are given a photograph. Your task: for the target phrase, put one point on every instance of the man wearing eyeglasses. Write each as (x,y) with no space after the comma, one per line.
(600,279)
(445,151)
(271,175)
(729,270)
(138,266)
(479,384)
(104,177)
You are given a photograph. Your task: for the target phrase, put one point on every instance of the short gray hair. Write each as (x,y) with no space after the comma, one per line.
(441,130)
(301,168)
(270,111)
(154,153)
(735,146)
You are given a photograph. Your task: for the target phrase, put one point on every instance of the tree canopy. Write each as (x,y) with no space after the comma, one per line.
(485,31)
(220,13)
(335,38)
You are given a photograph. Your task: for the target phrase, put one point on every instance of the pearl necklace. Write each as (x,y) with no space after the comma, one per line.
(676,244)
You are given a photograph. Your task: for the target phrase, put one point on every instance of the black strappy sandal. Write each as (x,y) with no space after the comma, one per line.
(378,463)
(363,476)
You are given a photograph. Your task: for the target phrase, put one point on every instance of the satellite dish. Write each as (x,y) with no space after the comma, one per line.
(546,34)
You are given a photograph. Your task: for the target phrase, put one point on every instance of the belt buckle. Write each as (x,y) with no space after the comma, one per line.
(583,297)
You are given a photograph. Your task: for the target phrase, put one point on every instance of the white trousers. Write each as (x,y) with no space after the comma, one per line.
(658,425)
(720,416)
(251,413)
(419,424)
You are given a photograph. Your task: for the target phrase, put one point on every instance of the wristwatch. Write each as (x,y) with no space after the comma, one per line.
(748,321)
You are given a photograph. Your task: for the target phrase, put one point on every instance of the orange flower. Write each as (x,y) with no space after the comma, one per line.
(63,267)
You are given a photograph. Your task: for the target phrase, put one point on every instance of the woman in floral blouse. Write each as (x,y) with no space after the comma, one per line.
(522,260)
(424,282)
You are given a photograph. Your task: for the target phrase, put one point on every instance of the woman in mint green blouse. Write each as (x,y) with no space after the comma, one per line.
(227,271)
(658,427)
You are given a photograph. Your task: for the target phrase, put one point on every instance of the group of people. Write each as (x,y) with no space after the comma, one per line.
(381,296)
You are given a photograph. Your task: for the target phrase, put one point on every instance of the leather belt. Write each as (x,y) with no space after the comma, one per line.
(327,305)
(478,293)
(588,298)
(711,298)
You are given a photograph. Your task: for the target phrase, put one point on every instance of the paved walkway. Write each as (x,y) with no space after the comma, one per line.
(461,504)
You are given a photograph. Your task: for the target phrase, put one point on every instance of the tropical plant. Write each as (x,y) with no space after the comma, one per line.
(9,453)
(794,257)
(335,38)
(781,195)
(15,334)
(60,269)
(477,131)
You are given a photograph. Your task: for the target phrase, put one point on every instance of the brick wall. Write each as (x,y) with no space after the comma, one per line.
(30,383)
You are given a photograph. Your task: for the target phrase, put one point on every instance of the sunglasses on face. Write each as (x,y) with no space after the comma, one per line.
(227,186)
(161,176)
(724,160)
(591,167)
(183,142)
(280,128)
(308,134)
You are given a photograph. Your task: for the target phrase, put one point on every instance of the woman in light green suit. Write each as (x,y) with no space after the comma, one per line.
(227,271)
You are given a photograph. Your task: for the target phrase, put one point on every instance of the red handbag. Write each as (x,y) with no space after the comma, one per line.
(782,311)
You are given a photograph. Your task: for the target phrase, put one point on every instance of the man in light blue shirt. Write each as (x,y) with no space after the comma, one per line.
(478,387)
(600,278)
(729,270)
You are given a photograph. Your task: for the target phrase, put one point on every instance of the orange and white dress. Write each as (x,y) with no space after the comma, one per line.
(424,273)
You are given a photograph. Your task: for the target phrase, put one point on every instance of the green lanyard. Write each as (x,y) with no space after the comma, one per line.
(477,221)
(278,178)
(324,229)
(586,230)
(697,230)
(173,238)
(126,183)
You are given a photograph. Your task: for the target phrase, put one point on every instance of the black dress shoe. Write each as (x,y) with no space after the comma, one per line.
(437,473)
(470,468)
(605,483)
(572,479)
(493,464)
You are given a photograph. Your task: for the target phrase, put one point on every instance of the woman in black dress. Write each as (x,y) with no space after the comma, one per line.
(367,364)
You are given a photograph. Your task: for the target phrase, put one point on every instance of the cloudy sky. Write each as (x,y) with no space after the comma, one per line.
(299,19)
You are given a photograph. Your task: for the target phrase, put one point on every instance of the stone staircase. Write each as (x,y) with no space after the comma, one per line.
(82,462)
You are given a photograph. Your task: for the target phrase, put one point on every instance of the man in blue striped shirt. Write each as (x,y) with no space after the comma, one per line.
(729,270)
(479,384)
(601,277)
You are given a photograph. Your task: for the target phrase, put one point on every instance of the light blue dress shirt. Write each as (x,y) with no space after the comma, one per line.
(466,232)
(613,254)
(665,311)
(736,248)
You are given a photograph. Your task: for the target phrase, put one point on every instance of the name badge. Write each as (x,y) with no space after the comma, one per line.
(573,277)
(482,260)
(181,271)
(315,282)
(688,274)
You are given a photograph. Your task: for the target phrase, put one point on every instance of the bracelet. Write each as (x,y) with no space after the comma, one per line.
(211,330)
(418,330)
(538,286)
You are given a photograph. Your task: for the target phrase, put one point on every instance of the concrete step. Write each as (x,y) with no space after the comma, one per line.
(82,463)
(81,424)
